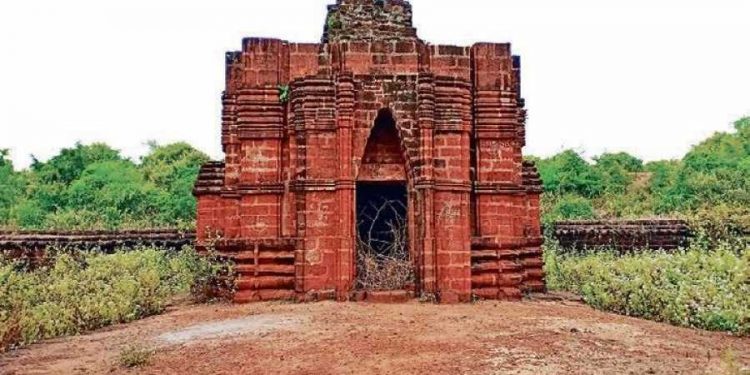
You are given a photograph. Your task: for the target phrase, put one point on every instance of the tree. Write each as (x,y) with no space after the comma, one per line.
(569,173)
(67,166)
(165,165)
(93,186)
(618,170)
(12,187)
(116,192)
(566,207)
(174,169)
(629,163)
(715,171)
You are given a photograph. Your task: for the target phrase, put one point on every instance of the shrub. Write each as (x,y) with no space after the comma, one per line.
(135,356)
(78,292)
(12,186)
(708,289)
(712,226)
(567,207)
(568,173)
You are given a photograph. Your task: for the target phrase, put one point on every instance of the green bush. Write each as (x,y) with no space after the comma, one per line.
(135,356)
(713,174)
(568,173)
(77,292)
(618,170)
(116,192)
(12,186)
(567,207)
(707,289)
(721,224)
(173,168)
(94,187)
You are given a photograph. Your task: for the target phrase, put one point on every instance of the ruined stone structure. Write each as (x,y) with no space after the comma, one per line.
(31,246)
(622,235)
(306,125)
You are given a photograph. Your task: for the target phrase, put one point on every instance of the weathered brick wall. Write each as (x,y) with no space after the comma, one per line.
(32,245)
(369,20)
(291,168)
(622,235)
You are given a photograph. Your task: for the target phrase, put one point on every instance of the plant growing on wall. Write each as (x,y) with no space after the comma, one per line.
(284,92)
(333,22)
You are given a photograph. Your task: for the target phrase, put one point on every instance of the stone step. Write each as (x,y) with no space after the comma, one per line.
(389,296)
(535,274)
(496,280)
(264,282)
(247,296)
(249,255)
(534,286)
(284,269)
(532,262)
(510,294)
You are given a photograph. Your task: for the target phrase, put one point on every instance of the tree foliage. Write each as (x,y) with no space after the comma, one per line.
(173,168)
(95,187)
(71,162)
(714,173)
(569,173)
(12,186)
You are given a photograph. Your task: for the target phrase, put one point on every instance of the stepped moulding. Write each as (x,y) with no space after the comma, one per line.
(305,125)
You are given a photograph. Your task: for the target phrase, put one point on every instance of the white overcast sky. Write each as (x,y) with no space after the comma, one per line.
(650,77)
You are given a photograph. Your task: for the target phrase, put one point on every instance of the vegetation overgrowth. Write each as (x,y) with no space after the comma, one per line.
(711,183)
(95,187)
(81,291)
(696,287)
(706,286)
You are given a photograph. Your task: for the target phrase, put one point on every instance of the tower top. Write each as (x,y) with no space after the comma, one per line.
(369,20)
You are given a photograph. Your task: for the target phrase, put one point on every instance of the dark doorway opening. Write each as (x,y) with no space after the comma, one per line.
(383,259)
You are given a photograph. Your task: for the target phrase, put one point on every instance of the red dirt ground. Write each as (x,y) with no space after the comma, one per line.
(530,337)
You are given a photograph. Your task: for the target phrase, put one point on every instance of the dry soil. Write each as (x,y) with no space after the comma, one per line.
(530,337)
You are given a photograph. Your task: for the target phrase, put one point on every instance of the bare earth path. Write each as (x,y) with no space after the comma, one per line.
(532,337)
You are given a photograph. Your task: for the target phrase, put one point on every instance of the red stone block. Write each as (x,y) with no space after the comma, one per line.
(284,199)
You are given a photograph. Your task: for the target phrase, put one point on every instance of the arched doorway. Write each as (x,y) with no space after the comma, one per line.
(382,247)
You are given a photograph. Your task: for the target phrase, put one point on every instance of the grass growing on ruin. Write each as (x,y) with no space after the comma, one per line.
(78,292)
(698,288)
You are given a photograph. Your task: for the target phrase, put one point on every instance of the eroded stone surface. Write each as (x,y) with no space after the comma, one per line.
(297,133)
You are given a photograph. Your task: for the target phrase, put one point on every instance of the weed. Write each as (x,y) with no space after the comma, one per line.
(284,93)
(78,292)
(135,355)
(334,22)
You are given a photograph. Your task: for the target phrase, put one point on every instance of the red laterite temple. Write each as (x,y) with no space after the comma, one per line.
(306,127)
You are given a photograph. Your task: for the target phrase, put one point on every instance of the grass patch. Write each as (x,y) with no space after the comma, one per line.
(78,292)
(697,288)
(135,356)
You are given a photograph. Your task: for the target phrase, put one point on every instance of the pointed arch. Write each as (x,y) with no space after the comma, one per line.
(383,159)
